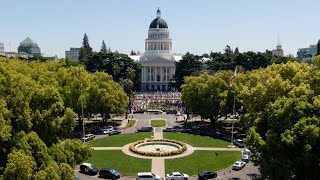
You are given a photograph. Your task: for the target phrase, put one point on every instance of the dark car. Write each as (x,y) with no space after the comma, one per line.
(87,168)
(207,174)
(109,173)
(145,129)
(139,111)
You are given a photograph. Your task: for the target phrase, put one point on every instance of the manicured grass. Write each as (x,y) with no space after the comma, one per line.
(196,140)
(202,160)
(130,123)
(126,165)
(120,139)
(158,123)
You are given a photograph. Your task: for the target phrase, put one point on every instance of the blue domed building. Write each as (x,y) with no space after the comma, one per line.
(30,47)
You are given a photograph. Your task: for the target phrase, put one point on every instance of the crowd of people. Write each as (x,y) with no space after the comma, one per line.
(157,100)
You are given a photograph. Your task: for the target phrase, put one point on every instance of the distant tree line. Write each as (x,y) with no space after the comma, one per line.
(214,62)
(116,64)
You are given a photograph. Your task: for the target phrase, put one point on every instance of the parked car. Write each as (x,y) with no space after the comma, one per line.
(76,178)
(147,176)
(145,129)
(88,168)
(109,173)
(168,129)
(238,165)
(239,143)
(177,176)
(245,157)
(88,137)
(115,131)
(207,174)
(139,111)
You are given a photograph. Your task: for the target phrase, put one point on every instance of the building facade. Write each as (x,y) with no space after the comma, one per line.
(158,62)
(30,47)
(73,54)
(2,52)
(278,51)
(305,54)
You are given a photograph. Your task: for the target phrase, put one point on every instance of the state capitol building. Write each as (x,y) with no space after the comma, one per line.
(158,62)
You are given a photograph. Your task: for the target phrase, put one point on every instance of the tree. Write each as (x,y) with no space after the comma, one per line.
(318,47)
(103,47)
(206,95)
(37,105)
(188,65)
(282,115)
(85,50)
(236,51)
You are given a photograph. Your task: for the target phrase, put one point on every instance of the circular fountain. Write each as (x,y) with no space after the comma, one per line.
(158,147)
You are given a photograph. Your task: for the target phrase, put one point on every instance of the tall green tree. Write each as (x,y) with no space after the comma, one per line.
(85,50)
(318,47)
(103,47)
(282,114)
(206,95)
(190,64)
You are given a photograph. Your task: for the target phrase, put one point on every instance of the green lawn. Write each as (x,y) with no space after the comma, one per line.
(126,165)
(195,140)
(130,123)
(158,123)
(120,139)
(202,160)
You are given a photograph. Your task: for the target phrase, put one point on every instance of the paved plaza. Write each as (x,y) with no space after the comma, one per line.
(158,163)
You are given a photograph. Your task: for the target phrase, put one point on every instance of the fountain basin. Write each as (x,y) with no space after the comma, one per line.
(158,147)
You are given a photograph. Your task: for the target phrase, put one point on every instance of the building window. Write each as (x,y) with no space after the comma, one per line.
(164,78)
(158,78)
(163,87)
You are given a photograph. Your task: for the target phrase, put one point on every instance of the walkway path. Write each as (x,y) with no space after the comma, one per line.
(158,166)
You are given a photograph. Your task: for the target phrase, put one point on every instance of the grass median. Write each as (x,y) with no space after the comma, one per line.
(126,165)
(120,139)
(196,140)
(158,123)
(130,123)
(202,160)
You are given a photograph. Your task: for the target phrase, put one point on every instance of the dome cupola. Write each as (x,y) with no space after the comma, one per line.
(158,22)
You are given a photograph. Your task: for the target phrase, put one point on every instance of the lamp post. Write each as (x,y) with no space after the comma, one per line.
(82,114)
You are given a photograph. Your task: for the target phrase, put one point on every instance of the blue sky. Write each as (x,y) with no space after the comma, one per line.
(197,26)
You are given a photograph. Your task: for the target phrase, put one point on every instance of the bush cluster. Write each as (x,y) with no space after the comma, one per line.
(182,149)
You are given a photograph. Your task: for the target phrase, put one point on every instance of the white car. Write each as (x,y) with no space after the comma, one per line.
(88,137)
(108,130)
(147,176)
(245,158)
(177,176)
(238,165)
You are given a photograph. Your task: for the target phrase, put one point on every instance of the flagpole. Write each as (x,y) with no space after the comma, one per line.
(234,107)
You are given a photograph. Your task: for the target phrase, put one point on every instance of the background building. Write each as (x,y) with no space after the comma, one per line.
(2,49)
(305,54)
(29,46)
(278,51)
(73,54)
(158,62)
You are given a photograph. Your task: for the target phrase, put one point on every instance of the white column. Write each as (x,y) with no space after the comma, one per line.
(149,74)
(155,74)
(161,69)
(142,75)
